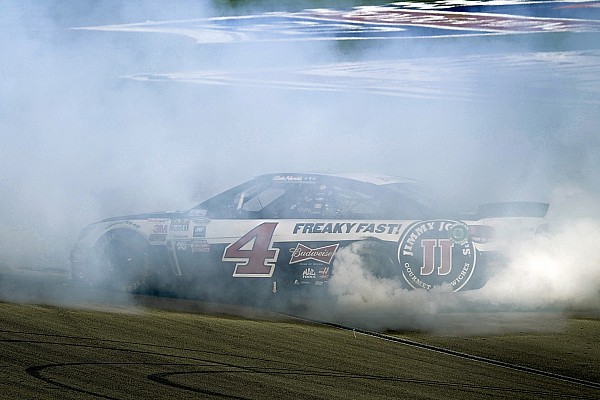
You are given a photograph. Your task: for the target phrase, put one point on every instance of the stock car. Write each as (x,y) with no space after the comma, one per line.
(282,233)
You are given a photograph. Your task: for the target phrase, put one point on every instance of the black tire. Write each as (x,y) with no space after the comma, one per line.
(377,258)
(124,261)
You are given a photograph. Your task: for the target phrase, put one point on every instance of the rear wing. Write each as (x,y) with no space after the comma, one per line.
(531,209)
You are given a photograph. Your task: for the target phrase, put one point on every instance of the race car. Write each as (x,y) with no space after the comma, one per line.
(282,233)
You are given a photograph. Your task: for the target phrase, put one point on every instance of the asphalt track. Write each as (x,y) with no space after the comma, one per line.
(456,43)
(73,343)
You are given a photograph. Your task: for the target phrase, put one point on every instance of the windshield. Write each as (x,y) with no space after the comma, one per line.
(325,198)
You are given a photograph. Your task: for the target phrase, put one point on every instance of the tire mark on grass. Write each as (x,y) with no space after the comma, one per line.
(294,370)
(164,378)
(467,356)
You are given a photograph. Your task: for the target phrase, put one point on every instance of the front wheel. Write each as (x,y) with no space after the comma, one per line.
(124,261)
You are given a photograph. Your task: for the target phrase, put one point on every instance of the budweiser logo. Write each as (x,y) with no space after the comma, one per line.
(322,254)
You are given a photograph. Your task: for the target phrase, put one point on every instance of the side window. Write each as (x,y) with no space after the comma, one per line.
(335,200)
(344,202)
(320,200)
(261,200)
(241,202)
(353,203)
(299,200)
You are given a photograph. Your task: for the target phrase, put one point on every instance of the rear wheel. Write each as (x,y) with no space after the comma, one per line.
(124,261)
(376,258)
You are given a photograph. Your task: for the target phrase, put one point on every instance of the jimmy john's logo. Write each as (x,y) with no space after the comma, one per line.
(322,254)
(432,253)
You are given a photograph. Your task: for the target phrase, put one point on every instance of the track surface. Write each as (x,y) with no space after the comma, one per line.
(127,348)
(460,43)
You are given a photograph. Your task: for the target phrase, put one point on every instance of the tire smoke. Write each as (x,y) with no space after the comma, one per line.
(482,118)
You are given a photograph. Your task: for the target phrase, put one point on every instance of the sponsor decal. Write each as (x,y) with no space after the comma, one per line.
(196,246)
(309,273)
(160,229)
(130,223)
(322,254)
(198,212)
(181,246)
(198,216)
(157,237)
(432,253)
(200,246)
(347,227)
(199,231)
(158,221)
(179,225)
(324,273)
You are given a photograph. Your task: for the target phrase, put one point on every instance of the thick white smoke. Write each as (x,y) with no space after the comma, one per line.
(556,271)
(81,142)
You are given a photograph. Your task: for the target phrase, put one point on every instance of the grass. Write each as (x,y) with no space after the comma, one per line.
(572,351)
(50,352)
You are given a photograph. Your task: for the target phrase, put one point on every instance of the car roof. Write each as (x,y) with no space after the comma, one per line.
(375,179)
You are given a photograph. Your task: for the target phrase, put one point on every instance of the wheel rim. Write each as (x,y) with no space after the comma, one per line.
(126,262)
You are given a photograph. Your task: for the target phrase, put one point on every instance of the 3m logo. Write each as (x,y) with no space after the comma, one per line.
(322,254)
(433,253)
(161,229)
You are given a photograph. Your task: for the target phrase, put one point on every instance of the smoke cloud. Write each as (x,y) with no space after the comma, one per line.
(98,123)
(554,272)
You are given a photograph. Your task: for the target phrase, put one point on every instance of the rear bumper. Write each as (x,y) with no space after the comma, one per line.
(489,263)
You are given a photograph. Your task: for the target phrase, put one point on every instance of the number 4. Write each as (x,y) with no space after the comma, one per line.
(254,253)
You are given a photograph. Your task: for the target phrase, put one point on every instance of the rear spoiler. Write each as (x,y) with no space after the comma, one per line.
(513,209)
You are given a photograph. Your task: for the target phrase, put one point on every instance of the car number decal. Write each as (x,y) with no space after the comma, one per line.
(254,253)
